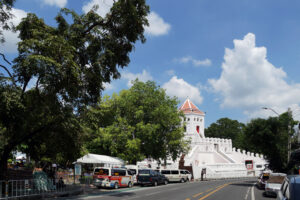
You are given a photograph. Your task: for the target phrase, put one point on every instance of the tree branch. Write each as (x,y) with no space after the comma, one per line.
(93,26)
(4,58)
(10,75)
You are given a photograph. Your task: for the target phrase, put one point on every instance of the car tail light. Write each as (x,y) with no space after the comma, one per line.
(150,179)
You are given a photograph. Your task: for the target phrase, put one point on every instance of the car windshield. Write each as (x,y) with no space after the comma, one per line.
(133,171)
(143,171)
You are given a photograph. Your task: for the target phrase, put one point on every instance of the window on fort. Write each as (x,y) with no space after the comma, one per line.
(197,119)
(184,119)
(188,119)
(184,128)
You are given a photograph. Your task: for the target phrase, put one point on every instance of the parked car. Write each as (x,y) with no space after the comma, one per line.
(175,175)
(262,180)
(112,177)
(273,185)
(151,177)
(290,188)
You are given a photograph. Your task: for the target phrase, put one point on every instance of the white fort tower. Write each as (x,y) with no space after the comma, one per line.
(215,155)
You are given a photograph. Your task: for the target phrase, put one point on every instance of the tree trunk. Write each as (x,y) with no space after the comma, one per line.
(3,166)
(3,171)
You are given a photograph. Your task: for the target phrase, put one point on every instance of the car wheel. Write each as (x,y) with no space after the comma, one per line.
(116,186)
(166,182)
(182,180)
(155,183)
(129,184)
(98,187)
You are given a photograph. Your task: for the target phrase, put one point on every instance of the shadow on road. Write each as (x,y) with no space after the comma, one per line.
(123,194)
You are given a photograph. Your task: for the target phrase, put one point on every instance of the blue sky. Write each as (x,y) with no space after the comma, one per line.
(230,57)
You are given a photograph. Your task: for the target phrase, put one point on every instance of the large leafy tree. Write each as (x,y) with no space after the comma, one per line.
(142,122)
(5,15)
(61,70)
(270,137)
(227,128)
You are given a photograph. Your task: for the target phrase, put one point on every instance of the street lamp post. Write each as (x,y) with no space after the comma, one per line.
(290,114)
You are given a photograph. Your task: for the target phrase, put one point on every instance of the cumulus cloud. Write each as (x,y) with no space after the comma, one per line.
(181,89)
(108,86)
(11,39)
(249,81)
(195,62)
(104,6)
(58,3)
(144,76)
(157,26)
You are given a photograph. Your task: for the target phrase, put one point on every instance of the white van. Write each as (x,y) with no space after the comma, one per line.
(112,177)
(134,172)
(175,175)
(187,173)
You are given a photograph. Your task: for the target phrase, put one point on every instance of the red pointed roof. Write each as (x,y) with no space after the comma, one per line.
(189,108)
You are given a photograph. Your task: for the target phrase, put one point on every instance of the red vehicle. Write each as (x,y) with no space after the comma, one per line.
(112,177)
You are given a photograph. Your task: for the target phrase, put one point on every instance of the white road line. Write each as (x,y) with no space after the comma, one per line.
(153,193)
(246,197)
(252,192)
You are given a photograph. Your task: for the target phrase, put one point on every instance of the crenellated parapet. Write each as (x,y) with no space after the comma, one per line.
(246,154)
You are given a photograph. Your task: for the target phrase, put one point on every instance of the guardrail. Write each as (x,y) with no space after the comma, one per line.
(39,187)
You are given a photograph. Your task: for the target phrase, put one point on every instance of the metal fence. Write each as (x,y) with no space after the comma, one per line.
(40,188)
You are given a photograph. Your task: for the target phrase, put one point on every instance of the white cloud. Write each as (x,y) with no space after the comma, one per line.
(11,39)
(249,81)
(189,59)
(157,26)
(181,89)
(104,6)
(58,3)
(144,76)
(108,86)
(170,72)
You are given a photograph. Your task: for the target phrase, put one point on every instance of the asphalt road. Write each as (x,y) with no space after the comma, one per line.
(243,189)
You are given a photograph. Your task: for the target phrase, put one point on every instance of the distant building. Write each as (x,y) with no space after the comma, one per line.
(214,156)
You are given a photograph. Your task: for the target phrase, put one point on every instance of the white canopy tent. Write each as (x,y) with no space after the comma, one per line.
(105,161)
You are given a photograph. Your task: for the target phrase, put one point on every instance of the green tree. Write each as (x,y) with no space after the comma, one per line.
(5,15)
(61,70)
(227,128)
(270,138)
(142,122)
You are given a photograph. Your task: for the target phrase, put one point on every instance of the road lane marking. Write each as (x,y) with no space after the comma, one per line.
(209,190)
(252,193)
(222,186)
(246,197)
(152,193)
(198,194)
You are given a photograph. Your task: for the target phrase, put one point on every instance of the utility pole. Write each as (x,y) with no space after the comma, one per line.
(290,114)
